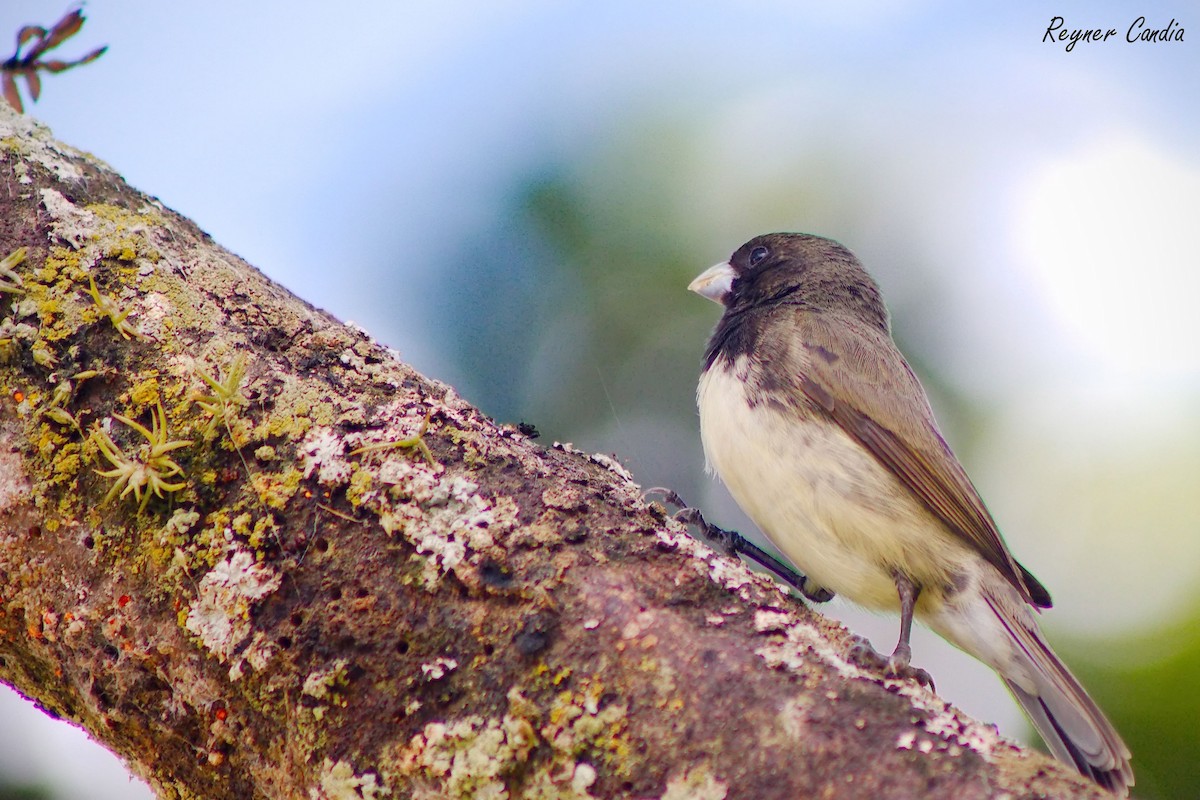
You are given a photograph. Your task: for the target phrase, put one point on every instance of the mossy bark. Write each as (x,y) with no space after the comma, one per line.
(256,555)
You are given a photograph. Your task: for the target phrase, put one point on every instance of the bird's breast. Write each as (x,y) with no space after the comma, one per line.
(839,515)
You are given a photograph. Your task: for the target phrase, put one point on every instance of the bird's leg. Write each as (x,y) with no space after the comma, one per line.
(902,655)
(899,664)
(732,543)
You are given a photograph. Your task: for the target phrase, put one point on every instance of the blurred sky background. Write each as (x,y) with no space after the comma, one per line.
(515,195)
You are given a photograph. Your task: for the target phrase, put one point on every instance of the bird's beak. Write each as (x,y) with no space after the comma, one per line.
(714,283)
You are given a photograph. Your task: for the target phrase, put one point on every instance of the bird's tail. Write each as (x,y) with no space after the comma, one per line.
(1069,721)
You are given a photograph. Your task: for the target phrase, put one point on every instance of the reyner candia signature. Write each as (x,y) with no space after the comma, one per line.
(1139,31)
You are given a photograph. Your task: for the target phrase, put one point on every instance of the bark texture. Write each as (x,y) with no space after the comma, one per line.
(256,555)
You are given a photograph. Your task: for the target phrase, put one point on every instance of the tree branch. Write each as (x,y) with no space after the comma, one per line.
(256,555)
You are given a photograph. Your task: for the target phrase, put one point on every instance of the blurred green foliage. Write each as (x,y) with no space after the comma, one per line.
(24,791)
(1152,696)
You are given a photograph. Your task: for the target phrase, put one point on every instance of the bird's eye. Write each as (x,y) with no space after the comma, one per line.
(757,255)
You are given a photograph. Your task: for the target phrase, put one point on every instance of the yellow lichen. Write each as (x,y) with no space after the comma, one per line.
(359,489)
(253,529)
(323,413)
(241,523)
(578,724)
(275,489)
(467,441)
(145,393)
(264,528)
(290,417)
(124,231)
(121,251)
(66,465)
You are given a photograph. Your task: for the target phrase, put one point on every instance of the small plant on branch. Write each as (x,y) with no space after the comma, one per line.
(147,472)
(28,66)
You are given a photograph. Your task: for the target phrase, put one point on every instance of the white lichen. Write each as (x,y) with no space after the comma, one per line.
(444,517)
(697,783)
(470,757)
(729,573)
(258,654)
(14,486)
(339,782)
(793,643)
(154,316)
(439,668)
(571,781)
(415,480)
(37,145)
(768,620)
(353,360)
(181,522)
(323,452)
(68,222)
(221,615)
(953,727)
(320,683)
(611,464)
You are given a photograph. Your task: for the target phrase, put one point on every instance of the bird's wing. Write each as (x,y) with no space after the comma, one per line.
(863,382)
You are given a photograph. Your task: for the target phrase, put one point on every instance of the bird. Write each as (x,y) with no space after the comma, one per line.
(824,436)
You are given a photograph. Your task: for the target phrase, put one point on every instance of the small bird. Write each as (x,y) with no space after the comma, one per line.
(825,438)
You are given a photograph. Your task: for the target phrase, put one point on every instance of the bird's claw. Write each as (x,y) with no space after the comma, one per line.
(670,496)
(815,593)
(898,665)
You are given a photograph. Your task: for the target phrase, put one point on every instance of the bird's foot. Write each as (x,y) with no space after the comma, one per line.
(898,665)
(732,543)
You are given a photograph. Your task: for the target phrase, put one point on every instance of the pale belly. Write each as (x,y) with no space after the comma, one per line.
(830,507)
